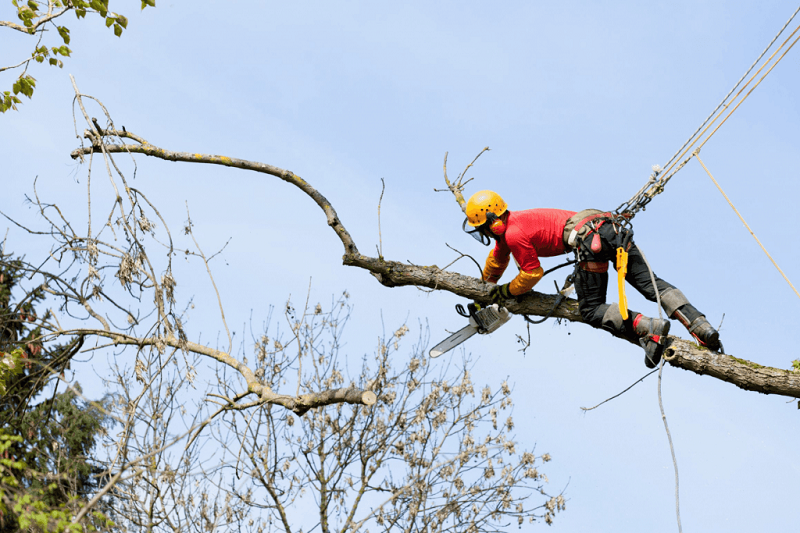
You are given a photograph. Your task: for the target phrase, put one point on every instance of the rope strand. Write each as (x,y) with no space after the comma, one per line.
(655,185)
(746,225)
(661,403)
(675,155)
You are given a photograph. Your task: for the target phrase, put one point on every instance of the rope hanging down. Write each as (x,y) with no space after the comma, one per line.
(661,175)
(655,185)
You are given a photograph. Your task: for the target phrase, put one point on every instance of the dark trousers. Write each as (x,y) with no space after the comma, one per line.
(591,284)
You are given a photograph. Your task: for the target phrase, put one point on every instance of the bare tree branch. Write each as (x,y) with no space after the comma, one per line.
(681,353)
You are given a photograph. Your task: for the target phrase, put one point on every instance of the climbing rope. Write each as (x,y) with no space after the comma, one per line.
(675,155)
(661,403)
(746,225)
(661,175)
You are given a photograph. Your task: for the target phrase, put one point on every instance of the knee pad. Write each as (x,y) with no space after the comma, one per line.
(612,319)
(672,300)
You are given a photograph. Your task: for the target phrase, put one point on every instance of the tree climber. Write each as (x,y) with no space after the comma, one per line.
(595,236)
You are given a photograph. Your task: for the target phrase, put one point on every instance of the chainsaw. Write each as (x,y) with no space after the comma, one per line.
(483,320)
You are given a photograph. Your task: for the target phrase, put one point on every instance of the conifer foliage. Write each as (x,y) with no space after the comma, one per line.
(48,436)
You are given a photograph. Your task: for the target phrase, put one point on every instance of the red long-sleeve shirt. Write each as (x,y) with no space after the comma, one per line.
(532,234)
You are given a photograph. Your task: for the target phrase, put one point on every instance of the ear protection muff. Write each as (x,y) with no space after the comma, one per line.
(496,224)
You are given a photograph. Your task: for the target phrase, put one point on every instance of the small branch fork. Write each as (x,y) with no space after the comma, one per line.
(679,353)
(39,22)
(457,188)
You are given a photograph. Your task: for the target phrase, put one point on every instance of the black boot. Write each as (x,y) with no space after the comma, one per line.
(652,333)
(703,332)
(679,308)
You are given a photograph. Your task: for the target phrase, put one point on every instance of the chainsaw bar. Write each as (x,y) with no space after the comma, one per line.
(453,340)
(483,321)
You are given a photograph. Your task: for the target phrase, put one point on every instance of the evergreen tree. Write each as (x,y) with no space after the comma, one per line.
(47,437)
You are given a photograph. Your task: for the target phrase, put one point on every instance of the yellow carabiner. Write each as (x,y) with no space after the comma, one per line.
(622,271)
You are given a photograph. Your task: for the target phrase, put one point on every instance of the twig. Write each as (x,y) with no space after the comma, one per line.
(457,187)
(620,394)
(300,344)
(461,256)
(526,344)
(380,236)
(211,277)
(461,176)
(465,255)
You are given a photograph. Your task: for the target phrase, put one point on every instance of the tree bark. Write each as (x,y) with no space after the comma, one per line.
(679,353)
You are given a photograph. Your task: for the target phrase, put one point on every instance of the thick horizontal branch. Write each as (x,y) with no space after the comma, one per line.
(351,395)
(680,353)
(741,372)
(297,404)
(394,274)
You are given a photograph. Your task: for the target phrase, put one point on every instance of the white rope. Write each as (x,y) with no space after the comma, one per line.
(734,88)
(661,403)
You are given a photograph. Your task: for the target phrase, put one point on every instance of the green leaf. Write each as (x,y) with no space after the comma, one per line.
(80,12)
(123,21)
(109,21)
(53,61)
(64,33)
(16,87)
(64,51)
(117,30)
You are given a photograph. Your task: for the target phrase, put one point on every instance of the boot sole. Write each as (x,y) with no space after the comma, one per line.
(652,349)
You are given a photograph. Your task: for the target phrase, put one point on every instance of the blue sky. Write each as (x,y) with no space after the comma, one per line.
(576,100)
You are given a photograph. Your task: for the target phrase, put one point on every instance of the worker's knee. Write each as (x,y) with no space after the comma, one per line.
(592,312)
(612,319)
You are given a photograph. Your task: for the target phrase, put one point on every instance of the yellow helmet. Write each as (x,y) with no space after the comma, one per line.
(483,202)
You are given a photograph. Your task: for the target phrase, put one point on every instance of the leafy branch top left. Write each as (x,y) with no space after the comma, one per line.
(36,18)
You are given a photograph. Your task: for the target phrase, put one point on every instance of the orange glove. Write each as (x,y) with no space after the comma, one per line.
(494,268)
